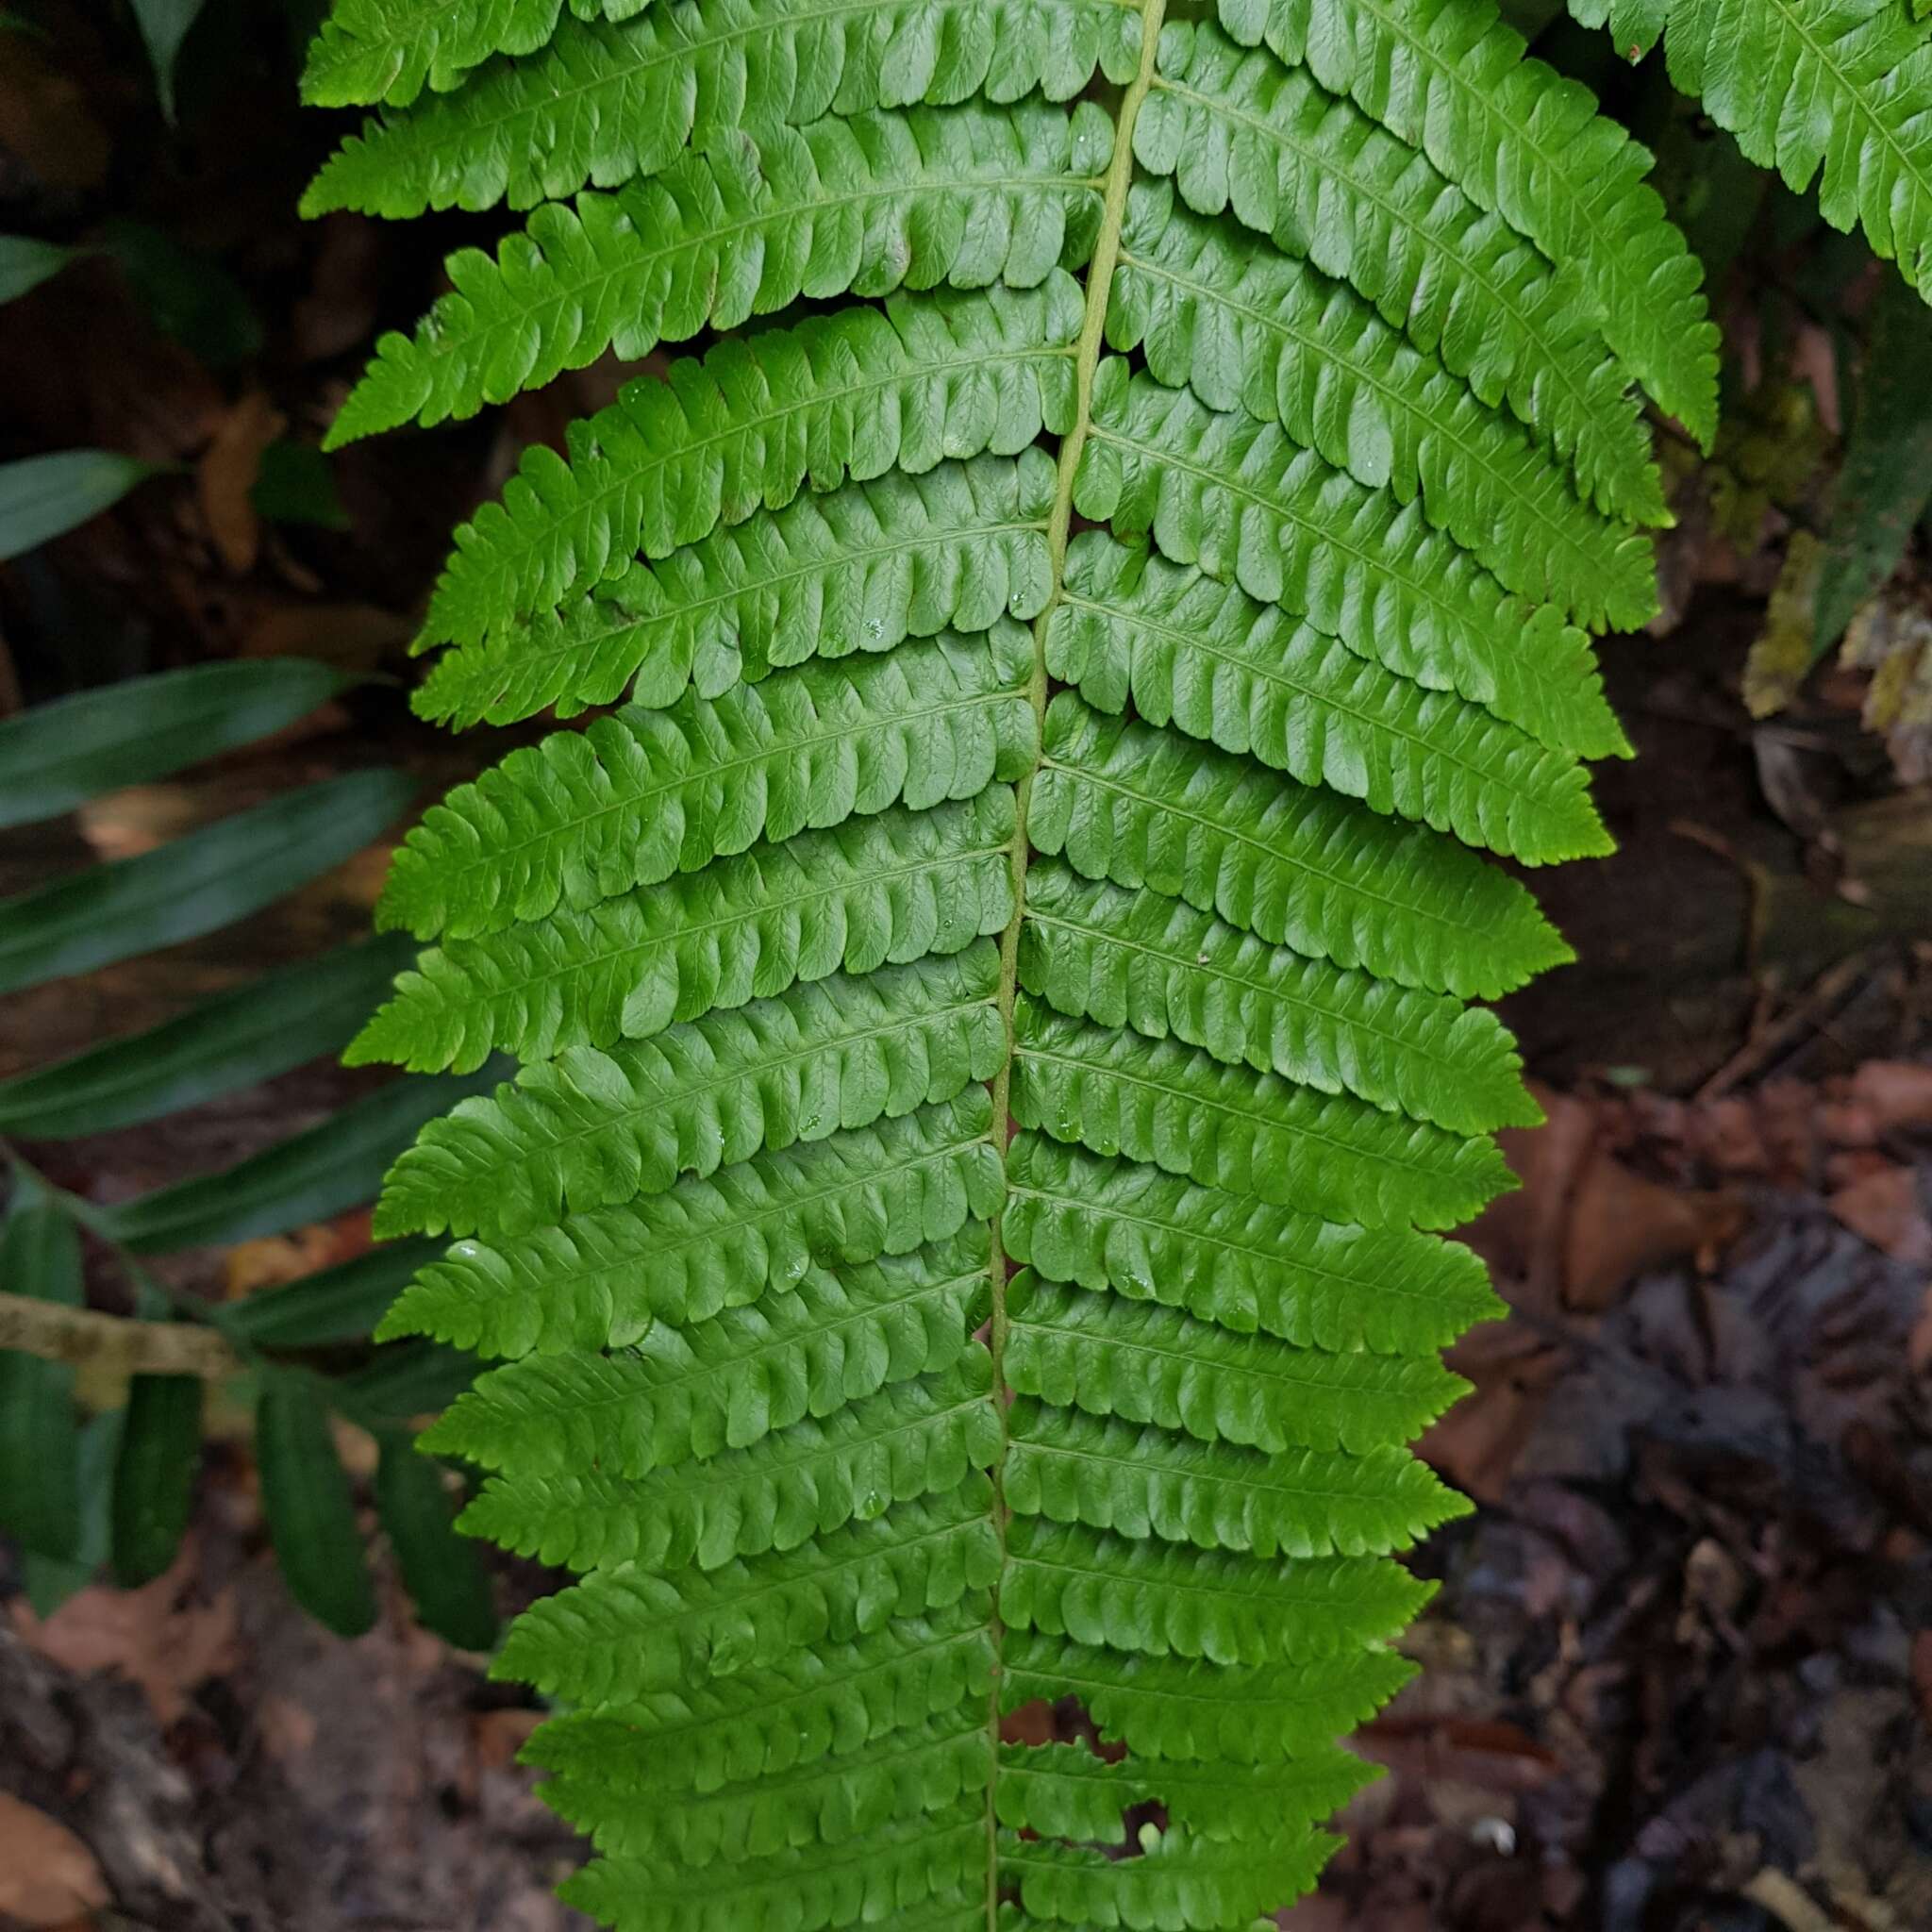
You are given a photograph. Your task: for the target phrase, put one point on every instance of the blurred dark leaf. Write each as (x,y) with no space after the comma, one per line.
(186,295)
(39,1442)
(444,1571)
(44,497)
(341,1304)
(310,1508)
(26,263)
(296,484)
(164,25)
(154,1475)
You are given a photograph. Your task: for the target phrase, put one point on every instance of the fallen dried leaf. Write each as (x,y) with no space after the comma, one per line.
(227,476)
(48,1874)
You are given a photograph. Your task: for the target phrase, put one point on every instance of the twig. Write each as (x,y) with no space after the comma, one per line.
(58,1333)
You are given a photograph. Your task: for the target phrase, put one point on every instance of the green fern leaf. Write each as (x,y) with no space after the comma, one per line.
(1328,316)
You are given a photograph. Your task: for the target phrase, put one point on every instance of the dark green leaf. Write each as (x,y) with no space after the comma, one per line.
(443,1571)
(413,1378)
(44,497)
(186,295)
(57,754)
(338,1305)
(26,263)
(1886,476)
(51,1581)
(296,485)
(313,1176)
(230,1042)
(164,25)
(39,1444)
(310,1508)
(154,1475)
(197,885)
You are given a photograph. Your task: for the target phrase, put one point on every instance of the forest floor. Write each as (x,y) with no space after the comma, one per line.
(1679,1669)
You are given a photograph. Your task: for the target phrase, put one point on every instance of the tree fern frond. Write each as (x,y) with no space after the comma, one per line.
(592,1129)
(1188,1113)
(635,798)
(847,393)
(968,195)
(1178,1879)
(624,1633)
(1162,1708)
(598,108)
(390,50)
(1149,1364)
(1206,658)
(911,1439)
(1160,1600)
(1159,967)
(1248,328)
(915,1874)
(1240,132)
(1240,1263)
(729,1381)
(876,891)
(1842,85)
(1125,802)
(1237,498)
(859,570)
(922,1768)
(1450,78)
(1142,1482)
(602,1280)
(1065,1791)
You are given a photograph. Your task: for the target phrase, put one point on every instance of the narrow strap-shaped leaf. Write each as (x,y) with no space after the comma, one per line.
(197,885)
(310,1176)
(1164,1708)
(595,1129)
(907,1440)
(1066,1791)
(390,50)
(968,195)
(1240,131)
(850,392)
(443,1573)
(1188,1113)
(1165,1600)
(1241,1263)
(636,797)
(601,1279)
(339,1304)
(1240,499)
(1296,867)
(602,107)
(261,1029)
(26,263)
(44,497)
(812,1705)
(729,1382)
(1206,658)
(154,1475)
(921,1768)
(624,1633)
(310,1508)
(1146,1363)
(1450,78)
(875,892)
(56,755)
(1142,1482)
(859,570)
(40,1440)
(1161,968)
(1246,328)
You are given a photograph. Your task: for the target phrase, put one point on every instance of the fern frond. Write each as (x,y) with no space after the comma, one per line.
(852,392)
(1206,658)
(861,1425)
(1125,802)
(1841,86)
(1241,1263)
(1242,132)
(601,1279)
(861,569)
(638,797)
(597,109)
(968,195)
(878,891)
(1237,498)
(1449,78)
(1247,329)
